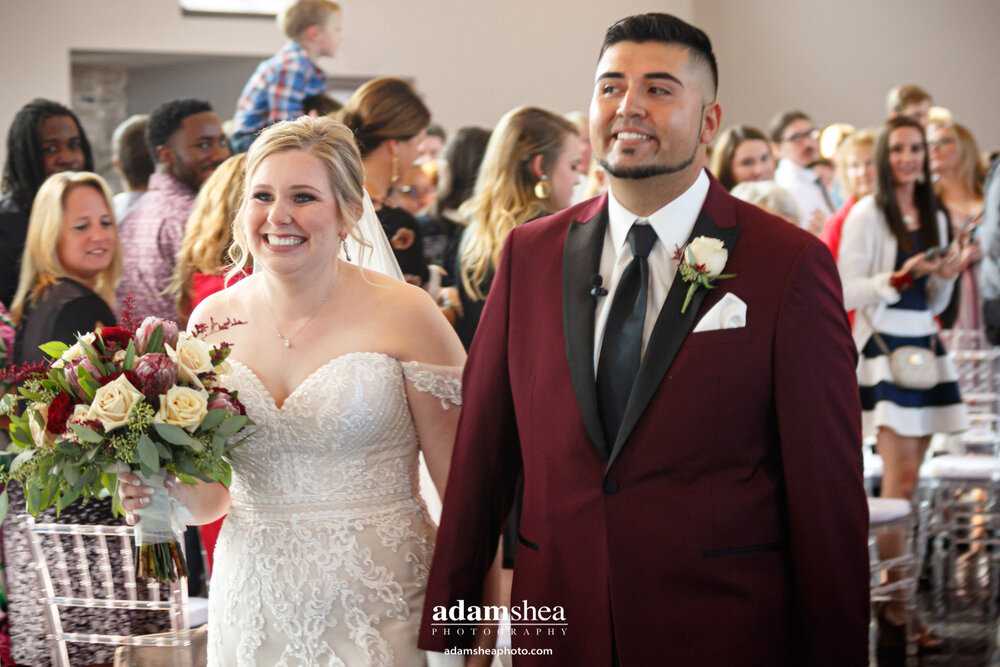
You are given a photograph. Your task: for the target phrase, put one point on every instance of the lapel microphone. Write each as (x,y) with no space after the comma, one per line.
(596,290)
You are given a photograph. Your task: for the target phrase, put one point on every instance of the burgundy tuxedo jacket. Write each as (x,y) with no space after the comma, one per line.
(727,525)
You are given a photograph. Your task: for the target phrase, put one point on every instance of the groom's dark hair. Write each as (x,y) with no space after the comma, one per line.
(667,29)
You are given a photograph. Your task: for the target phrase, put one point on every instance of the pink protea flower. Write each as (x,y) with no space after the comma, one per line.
(145,330)
(156,374)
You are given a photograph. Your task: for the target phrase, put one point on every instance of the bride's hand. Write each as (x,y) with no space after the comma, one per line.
(135,495)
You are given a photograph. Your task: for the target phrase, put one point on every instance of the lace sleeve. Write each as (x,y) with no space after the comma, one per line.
(444,382)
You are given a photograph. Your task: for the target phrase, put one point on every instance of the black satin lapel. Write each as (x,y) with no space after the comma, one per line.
(581,260)
(668,334)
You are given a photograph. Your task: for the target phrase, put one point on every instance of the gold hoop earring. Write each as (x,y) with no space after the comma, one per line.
(542,189)
(395,170)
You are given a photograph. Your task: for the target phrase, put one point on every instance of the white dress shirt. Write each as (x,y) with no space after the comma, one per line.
(673,224)
(802,183)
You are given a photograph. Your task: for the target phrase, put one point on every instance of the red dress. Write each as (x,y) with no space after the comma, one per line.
(831,233)
(203,285)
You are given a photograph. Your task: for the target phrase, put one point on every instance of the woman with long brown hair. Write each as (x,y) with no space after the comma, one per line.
(897,286)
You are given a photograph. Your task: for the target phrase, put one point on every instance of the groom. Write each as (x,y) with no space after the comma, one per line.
(692,472)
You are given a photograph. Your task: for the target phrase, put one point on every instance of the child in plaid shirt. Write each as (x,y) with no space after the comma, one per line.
(280,83)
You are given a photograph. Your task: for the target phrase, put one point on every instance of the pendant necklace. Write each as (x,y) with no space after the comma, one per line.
(287,340)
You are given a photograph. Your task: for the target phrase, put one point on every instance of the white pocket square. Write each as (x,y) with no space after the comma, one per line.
(729,313)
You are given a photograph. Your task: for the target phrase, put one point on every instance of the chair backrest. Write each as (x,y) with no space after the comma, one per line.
(977,367)
(74,568)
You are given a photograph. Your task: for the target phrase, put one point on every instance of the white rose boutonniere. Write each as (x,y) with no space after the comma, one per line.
(702,262)
(183,406)
(193,357)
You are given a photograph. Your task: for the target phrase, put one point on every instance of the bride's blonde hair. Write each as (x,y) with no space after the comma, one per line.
(324,138)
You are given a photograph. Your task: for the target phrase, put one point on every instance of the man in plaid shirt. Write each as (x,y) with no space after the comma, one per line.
(280,83)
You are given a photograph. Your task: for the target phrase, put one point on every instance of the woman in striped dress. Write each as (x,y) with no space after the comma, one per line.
(898,287)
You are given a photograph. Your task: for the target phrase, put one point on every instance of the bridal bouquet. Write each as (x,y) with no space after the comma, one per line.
(144,399)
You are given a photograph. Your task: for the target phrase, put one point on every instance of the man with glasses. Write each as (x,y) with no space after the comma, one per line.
(797,141)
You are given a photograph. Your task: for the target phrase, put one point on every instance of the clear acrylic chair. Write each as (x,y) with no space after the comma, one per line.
(889,516)
(74,568)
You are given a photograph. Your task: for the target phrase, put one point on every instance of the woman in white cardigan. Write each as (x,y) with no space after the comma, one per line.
(897,287)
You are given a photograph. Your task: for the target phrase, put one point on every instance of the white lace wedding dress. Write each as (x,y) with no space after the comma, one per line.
(323,558)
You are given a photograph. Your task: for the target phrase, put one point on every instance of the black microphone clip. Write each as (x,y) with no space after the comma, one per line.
(596,290)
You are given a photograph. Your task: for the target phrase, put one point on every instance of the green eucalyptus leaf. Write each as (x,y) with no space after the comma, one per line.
(93,355)
(71,473)
(54,348)
(148,455)
(4,505)
(67,498)
(21,459)
(128,364)
(175,435)
(34,497)
(155,343)
(86,433)
(212,419)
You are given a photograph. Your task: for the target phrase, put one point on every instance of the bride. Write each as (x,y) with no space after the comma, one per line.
(324,555)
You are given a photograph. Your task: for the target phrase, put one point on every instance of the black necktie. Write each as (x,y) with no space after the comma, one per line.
(622,346)
(826,195)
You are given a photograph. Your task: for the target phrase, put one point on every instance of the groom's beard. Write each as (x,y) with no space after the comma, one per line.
(650,170)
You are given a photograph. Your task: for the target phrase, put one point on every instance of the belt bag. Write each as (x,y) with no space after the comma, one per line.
(911,366)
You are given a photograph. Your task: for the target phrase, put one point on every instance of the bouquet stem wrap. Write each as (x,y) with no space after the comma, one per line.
(159,553)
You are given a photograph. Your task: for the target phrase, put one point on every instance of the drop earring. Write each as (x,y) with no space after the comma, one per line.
(542,189)
(343,244)
(395,170)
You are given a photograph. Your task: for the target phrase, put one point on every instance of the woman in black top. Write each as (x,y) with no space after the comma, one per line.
(388,120)
(71,266)
(45,138)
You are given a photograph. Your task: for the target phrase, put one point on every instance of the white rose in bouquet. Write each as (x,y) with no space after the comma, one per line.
(113,402)
(183,406)
(193,356)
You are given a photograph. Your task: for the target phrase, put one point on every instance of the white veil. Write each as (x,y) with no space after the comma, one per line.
(374,253)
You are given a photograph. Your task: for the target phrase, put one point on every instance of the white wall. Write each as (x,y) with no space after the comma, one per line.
(837,60)
(473,61)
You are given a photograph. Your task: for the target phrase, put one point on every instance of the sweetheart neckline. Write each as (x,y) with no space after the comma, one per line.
(309,377)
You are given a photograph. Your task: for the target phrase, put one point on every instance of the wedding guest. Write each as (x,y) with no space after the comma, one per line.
(202,259)
(72,261)
(855,162)
(897,289)
(389,119)
(415,193)
(531,165)
(432,144)
(582,123)
(130,157)
(320,105)
(741,153)
(45,138)
(954,157)
(442,228)
(769,196)
(911,101)
(279,86)
(187,142)
(797,141)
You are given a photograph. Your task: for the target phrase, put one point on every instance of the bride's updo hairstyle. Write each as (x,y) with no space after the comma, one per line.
(324,138)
